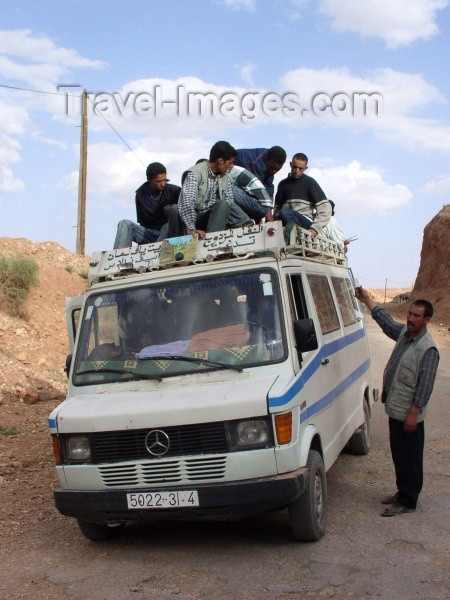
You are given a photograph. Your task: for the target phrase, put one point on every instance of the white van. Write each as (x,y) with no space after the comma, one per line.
(211,378)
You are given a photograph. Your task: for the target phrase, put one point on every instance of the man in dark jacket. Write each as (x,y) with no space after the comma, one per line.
(151,200)
(263,163)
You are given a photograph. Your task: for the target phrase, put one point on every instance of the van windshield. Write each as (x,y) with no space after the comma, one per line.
(168,329)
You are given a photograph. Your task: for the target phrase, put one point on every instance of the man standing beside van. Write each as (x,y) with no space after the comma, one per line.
(408,381)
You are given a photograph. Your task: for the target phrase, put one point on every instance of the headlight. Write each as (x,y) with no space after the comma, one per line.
(249,434)
(78,448)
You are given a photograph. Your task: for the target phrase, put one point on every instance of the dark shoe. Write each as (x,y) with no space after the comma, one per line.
(396,509)
(391,499)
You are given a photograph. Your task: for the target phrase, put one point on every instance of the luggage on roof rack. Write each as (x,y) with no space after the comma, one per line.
(238,243)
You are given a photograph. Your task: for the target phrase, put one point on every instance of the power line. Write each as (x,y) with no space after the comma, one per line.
(66,94)
(22,89)
(119,136)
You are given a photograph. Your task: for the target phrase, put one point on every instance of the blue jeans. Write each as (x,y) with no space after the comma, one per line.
(289,215)
(128,232)
(248,205)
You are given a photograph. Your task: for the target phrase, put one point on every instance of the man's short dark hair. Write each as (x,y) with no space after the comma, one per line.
(154,169)
(427,307)
(222,150)
(277,154)
(300,156)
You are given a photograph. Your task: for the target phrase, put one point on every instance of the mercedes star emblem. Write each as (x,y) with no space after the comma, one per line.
(157,442)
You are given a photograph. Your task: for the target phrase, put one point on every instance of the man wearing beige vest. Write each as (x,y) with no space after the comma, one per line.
(408,381)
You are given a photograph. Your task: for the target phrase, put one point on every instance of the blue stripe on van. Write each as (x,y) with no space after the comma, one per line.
(52,423)
(326,351)
(328,399)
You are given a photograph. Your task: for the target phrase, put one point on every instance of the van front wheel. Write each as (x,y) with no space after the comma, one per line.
(308,514)
(99,533)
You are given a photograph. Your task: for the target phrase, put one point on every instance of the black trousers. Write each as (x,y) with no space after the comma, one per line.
(407,454)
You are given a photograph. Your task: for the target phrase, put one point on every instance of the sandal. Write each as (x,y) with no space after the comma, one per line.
(391,499)
(396,509)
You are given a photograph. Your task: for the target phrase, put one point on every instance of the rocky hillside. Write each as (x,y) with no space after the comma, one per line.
(33,350)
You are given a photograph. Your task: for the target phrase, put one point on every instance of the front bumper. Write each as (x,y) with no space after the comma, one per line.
(221,500)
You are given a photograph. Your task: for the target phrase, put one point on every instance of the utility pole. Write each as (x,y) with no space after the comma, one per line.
(81,223)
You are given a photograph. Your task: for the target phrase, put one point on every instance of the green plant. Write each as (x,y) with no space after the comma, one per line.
(9,430)
(69,268)
(83,273)
(6,352)
(18,274)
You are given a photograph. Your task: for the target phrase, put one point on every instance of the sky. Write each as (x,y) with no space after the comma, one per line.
(360,86)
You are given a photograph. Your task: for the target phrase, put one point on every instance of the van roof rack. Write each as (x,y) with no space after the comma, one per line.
(239,243)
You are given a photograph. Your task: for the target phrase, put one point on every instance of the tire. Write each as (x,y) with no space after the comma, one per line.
(308,514)
(359,443)
(99,533)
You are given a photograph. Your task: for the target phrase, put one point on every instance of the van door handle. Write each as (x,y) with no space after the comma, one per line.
(325,361)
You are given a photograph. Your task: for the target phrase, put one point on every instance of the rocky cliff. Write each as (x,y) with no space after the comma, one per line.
(433,278)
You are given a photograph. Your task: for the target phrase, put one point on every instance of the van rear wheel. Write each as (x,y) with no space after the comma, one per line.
(308,514)
(359,443)
(99,533)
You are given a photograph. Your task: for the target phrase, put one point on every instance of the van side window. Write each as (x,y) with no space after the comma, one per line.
(326,310)
(352,294)
(76,313)
(296,297)
(341,289)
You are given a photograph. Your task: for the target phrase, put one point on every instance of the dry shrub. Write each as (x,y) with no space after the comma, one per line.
(18,273)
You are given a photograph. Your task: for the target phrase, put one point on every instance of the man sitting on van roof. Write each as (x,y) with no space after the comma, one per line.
(263,163)
(152,198)
(250,195)
(206,195)
(301,200)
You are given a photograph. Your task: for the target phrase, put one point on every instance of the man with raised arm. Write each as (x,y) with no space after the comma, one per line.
(408,381)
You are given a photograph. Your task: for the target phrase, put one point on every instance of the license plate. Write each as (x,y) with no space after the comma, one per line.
(162,499)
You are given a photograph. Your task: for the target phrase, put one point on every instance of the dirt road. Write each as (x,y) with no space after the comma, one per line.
(44,556)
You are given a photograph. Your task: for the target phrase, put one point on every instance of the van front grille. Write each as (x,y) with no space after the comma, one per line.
(186,440)
(163,472)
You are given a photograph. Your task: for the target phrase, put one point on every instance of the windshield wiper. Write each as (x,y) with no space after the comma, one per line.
(120,372)
(191,359)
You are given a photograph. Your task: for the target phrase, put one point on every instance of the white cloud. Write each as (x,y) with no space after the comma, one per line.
(246,72)
(404,97)
(397,22)
(114,172)
(34,61)
(13,121)
(23,44)
(37,61)
(438,187)
(9,155)
(241,4)
(359,191)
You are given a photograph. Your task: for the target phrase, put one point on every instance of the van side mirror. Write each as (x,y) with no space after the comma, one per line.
(305,335)
(68,364)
